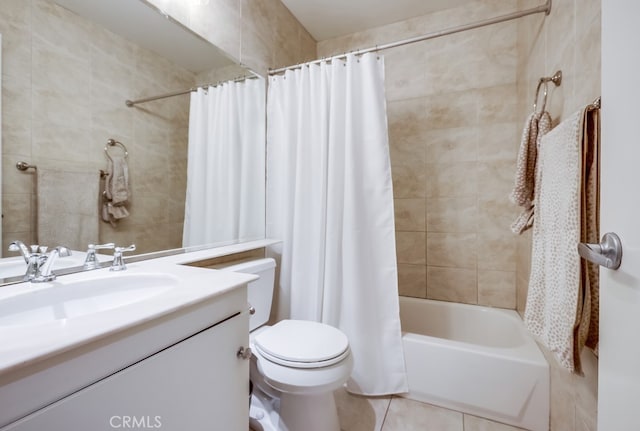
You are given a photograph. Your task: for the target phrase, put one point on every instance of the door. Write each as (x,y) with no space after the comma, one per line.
(619,361)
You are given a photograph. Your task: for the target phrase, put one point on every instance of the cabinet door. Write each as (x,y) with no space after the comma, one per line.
(197,384)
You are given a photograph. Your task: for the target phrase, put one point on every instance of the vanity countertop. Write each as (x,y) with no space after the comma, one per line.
(23,344)
(206,253)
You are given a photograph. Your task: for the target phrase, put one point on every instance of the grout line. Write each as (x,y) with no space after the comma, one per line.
(386,412)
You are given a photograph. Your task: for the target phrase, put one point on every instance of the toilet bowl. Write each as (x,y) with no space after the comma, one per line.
(296,364)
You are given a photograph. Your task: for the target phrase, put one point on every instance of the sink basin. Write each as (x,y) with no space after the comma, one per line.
(71,299)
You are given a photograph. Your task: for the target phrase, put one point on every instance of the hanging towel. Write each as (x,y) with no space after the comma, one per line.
(536,126)
(116,191)
(67,208)
(590,228)
(561,288)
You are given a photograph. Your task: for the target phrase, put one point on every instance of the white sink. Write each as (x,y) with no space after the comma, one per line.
(68,300)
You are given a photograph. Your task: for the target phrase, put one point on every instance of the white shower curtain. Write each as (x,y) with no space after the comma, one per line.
(330,199)
(225,172)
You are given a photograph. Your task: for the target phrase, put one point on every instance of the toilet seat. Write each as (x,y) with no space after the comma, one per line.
(302,344)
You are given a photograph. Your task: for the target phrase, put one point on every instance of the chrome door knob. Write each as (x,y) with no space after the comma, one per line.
(608,253)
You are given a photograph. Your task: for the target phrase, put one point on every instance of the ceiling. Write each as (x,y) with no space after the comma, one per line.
(143,24)
(327,19)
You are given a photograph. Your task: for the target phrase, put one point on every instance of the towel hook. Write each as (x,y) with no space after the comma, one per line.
(556,79)
(112,143)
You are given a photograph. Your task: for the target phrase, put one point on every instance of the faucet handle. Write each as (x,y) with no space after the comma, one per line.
(22,248)
(101,246)
(118,262)
(62,251)
(34,248)
(121,250)
(91,261)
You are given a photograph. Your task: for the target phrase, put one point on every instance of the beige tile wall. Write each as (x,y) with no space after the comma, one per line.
(567,39)
(451,106)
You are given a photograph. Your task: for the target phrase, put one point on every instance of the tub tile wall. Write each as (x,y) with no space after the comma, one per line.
(412,280)
(452,284)
(568,39)
(493,288)
(452,127)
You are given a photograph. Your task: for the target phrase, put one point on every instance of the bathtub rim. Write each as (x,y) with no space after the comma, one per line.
(527,352)
(425,382)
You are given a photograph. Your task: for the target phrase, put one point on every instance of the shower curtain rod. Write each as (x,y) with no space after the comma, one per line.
(546,8)
(131,103)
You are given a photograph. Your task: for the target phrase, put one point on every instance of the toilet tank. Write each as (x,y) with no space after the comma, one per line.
(260,291)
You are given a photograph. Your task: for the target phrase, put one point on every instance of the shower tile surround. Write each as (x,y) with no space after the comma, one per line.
(456,107)
(568,39)
(64,85)
(451,106)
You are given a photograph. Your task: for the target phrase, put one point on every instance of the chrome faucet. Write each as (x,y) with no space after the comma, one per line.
(35,261)
(31,258)
(39,263)
(91,261)
(44,272)
(118,262)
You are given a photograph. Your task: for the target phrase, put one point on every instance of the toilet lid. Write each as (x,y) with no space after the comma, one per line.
(302,344)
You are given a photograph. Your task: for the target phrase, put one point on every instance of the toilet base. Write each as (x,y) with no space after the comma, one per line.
(316,412)
(290,412)
(263,412)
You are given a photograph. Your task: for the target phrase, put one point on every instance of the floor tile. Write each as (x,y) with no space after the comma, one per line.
(358,413)
(474,423)
(409,415)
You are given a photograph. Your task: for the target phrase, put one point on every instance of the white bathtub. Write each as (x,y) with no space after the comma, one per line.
(475,359)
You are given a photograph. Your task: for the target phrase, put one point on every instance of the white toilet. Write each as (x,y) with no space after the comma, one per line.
(296,364)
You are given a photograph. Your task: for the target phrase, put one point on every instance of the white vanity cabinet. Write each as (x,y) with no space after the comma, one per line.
(196,384)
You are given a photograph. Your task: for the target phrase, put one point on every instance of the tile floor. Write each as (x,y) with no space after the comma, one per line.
(401,414)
